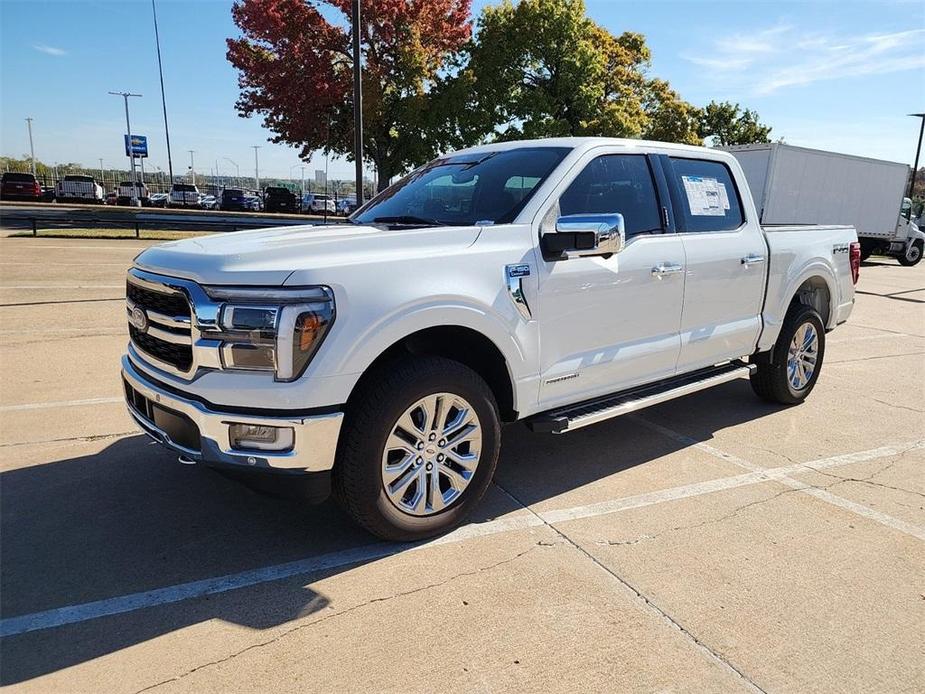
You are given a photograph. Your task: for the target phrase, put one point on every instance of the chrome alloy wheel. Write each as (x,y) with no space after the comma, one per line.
(431,455)
(802,356)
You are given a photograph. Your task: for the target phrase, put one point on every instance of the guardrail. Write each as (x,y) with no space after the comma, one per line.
(35,217)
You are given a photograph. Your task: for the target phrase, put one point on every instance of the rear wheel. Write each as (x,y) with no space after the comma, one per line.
(788,374)
(913,254)
(419,447)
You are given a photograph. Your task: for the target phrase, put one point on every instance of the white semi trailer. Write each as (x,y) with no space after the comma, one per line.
(798,185)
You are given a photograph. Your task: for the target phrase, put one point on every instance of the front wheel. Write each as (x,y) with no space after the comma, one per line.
(418,449)
(788,374)
(913,254)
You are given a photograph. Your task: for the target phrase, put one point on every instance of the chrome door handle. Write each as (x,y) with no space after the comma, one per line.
(752,259)
(666,269)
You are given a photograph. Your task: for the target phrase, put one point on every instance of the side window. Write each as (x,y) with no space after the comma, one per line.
(709,200)
(616,183)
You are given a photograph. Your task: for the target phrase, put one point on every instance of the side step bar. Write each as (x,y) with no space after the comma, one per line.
(562,420)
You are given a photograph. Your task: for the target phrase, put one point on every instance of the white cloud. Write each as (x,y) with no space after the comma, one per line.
(782,57)
(49,50)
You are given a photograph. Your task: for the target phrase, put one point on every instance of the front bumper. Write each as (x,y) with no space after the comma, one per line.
(199,433)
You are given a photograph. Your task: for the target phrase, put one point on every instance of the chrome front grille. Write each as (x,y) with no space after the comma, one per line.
(160,323)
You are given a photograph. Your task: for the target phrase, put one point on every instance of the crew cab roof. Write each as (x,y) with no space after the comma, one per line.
(585,143)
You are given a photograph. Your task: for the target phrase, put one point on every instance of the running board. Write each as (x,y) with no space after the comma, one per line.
(564,419)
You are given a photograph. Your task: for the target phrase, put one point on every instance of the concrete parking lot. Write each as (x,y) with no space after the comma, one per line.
(714,543)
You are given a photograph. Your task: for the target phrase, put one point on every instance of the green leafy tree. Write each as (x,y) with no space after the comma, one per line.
(542,68)
(728,124)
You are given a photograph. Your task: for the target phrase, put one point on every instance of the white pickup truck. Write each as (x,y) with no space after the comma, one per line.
(560,282)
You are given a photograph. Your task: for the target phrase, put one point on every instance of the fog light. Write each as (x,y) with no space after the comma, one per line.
(260,437)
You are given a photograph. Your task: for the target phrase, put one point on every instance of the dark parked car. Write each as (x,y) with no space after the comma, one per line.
(20,186)
(278,199)
(233,199)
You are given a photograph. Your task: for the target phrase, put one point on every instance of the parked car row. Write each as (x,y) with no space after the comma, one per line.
(76,188)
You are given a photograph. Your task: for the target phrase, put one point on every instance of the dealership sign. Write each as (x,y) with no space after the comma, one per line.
(136,146)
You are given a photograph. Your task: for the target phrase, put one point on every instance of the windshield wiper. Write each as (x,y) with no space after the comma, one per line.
(408,219)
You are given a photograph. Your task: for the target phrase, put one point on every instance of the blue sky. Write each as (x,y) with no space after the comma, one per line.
(839,76)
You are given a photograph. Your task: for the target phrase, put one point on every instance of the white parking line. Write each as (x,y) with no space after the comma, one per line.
(59,403)
(45,263)
(521,520)
(63,286)
(865,338)
(69,247)
(781,475)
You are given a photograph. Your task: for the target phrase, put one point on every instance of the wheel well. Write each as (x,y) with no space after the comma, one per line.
(460,344)
(814,292)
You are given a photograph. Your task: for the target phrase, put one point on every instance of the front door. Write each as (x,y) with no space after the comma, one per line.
(610,323)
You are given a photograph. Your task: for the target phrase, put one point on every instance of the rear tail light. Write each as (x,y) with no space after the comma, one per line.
(854,257)
(36,188)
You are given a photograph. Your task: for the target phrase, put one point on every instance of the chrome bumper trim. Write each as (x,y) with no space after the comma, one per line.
(313,449)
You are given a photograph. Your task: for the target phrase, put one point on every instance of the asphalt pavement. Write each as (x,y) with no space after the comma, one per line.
(712,543)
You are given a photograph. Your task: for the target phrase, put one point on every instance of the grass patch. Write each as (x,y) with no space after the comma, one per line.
(107,233)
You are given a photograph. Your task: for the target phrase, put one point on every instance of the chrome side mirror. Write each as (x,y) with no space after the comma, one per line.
(579,235)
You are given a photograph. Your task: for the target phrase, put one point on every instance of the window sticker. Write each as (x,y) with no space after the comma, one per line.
(706,197)
(723,195)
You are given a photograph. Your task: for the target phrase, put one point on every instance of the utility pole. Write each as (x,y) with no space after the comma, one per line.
(131,154)
(102,176)
(256,168)
(303,181)
(192,168)
(357,103)
(918,150)
(160,69)
(31,147)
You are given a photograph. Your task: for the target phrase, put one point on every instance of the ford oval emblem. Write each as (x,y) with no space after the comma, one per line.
(139,319)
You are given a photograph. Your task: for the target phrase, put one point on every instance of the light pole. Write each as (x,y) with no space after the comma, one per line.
(357,103)
(102,177)
(160,69)
(303,181)
(31,148)
(236,168)
(256,168)
(192,169)
(128,147)
(918,149)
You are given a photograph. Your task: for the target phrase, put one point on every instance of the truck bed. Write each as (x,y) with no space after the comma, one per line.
(796,252)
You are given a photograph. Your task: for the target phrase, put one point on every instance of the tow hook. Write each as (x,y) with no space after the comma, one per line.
(183,460)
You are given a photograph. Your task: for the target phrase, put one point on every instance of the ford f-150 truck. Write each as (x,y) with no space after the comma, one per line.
(560,282)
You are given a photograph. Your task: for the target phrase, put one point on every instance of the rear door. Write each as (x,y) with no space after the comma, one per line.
(610,323)
(726,263)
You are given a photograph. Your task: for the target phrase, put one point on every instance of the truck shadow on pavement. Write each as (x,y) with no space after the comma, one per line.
(130,519)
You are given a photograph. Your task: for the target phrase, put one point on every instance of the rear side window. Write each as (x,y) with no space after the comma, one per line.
(708,198)
(10,176)
(616,183)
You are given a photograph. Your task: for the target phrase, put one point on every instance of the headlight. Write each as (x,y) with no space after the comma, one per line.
(272,329)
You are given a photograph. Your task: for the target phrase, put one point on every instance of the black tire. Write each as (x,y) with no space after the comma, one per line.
(915,251)
(371,415)
(771,381)
(868,248)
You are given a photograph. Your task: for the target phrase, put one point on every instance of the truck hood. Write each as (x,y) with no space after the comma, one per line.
(268,256)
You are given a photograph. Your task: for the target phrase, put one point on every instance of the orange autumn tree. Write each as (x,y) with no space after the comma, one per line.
(294,61)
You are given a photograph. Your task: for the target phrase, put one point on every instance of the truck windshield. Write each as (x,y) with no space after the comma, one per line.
(464,189)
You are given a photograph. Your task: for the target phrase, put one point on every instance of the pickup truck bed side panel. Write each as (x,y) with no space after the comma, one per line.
(800,253)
